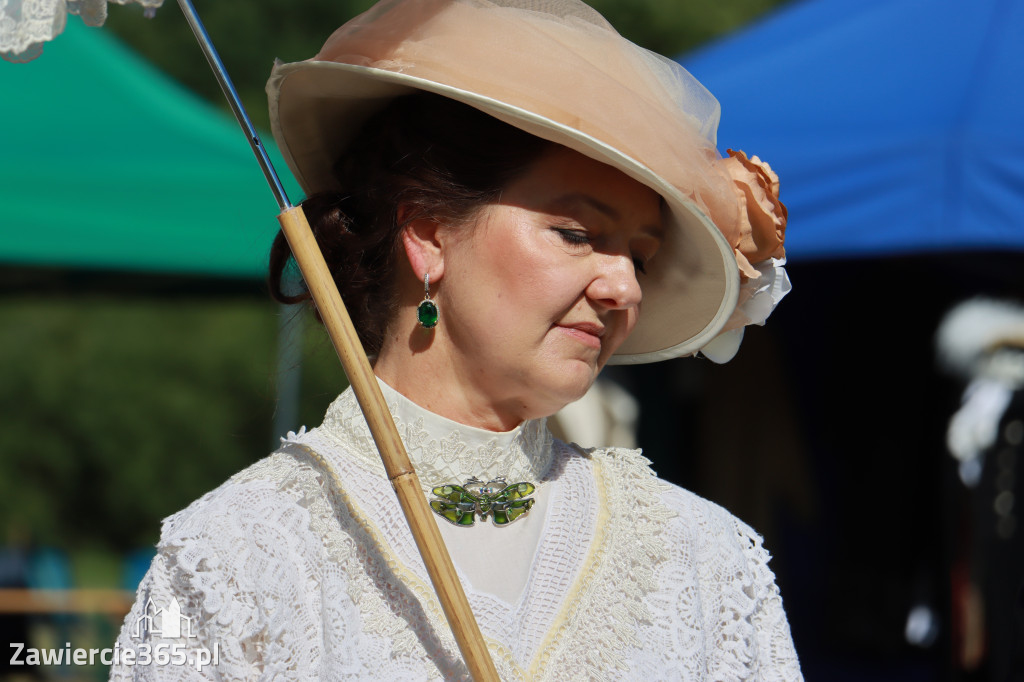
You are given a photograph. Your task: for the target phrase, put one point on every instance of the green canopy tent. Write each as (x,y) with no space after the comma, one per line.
(107,164)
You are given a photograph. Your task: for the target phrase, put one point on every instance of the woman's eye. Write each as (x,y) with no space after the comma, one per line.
(572,236)
(577,237)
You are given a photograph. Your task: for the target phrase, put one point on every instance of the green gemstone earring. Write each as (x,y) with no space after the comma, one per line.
(426,311)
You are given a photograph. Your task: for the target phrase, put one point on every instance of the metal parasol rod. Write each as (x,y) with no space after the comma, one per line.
(343,335)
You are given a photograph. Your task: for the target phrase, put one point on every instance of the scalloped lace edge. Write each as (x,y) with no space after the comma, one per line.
(610,592)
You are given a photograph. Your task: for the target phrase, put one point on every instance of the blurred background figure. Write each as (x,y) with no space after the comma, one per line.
(982,341)
(14,570)
(606,414)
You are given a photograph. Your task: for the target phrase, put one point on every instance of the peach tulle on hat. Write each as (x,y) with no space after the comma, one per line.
(558,70)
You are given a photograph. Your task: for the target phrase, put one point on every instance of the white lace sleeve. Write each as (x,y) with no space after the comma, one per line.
(777,658)
(147,648)
(722,613)
(238,576)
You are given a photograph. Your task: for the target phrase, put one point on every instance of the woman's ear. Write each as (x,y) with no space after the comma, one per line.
(423,248)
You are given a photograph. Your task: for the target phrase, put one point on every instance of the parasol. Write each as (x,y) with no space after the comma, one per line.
(25,25)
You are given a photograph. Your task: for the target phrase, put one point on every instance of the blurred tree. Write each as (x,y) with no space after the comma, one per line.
(117,413)
(672,27)
(248,36)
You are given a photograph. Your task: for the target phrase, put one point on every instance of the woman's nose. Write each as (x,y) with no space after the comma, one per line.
(615,285)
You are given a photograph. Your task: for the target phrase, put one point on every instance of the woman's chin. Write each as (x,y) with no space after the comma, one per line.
(574,385)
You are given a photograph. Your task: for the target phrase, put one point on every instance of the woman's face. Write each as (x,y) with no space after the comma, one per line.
(544,285)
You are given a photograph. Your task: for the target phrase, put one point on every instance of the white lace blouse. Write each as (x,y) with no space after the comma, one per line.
(301,568)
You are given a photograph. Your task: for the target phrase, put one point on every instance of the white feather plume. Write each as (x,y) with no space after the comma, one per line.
(972,329)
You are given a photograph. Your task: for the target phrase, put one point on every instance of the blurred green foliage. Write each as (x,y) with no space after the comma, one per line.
(248,36)
(117,413)
(673,27)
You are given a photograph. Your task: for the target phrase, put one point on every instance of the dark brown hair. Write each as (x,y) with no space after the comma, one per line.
(437,158)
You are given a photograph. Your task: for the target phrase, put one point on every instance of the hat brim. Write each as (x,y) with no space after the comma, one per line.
(691,286)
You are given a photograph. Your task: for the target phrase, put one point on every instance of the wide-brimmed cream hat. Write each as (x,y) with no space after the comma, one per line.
(558,70)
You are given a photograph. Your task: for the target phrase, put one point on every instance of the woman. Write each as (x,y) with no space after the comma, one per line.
(500,191)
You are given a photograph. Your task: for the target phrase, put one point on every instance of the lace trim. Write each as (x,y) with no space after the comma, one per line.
(741,615)
(26,24)
(610,594)
(441,452)
(394,601)
(605,615)
(606,601)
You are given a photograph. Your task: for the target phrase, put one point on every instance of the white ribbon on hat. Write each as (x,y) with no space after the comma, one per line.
(758,298)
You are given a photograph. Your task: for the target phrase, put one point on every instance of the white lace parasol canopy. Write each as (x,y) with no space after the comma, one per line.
(26,24)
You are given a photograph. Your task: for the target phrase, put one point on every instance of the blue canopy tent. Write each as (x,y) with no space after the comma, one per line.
(895,125)
(897,130)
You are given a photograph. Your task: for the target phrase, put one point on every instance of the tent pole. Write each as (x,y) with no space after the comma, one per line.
(291,330)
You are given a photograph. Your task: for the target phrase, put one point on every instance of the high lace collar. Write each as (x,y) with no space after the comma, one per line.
(442,450)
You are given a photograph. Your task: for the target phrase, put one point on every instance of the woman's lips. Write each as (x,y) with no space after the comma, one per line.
(587,333)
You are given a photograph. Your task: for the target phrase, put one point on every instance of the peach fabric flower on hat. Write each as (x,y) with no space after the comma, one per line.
(762,216)
(758,239)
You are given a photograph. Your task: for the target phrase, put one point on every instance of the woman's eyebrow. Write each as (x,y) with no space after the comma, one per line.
(574,199)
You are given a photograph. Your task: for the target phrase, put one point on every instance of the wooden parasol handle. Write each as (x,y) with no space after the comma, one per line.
(396,461)
(350,351)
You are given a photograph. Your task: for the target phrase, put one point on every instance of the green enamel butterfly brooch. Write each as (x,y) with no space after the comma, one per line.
(504,503)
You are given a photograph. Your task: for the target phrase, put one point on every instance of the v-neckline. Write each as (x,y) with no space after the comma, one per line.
(548,582)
